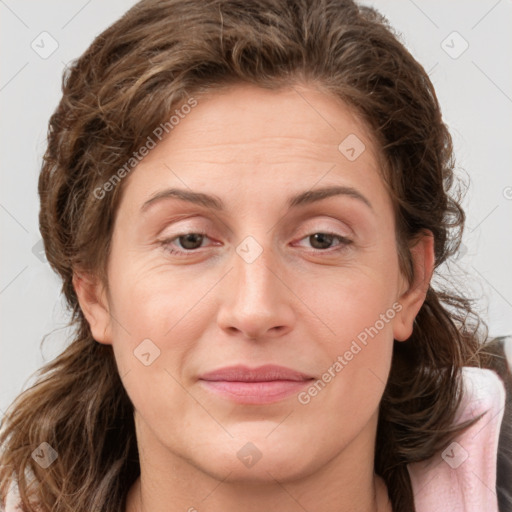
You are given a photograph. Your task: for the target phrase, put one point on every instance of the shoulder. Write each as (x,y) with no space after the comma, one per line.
(12,500)
(462,477)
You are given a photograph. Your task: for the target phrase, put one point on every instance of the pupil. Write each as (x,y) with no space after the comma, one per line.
(324,239)
(190,241)
(318,240)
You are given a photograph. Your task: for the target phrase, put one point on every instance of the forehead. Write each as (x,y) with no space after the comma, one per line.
(244,139)
(243,113)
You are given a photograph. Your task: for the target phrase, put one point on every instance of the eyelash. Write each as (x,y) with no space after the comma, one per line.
(343,243)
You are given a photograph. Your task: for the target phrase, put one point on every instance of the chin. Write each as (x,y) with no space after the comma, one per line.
(261,458)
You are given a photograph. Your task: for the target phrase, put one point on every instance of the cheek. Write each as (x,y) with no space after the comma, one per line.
(359,309)
(363,335)
(160,316)
(347,300)
(155,328)
(153,300)
(349,389)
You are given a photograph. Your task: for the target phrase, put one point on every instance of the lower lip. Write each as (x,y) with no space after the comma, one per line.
(256,392)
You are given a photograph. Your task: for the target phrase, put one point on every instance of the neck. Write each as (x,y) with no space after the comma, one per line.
(139,501)
(169,483)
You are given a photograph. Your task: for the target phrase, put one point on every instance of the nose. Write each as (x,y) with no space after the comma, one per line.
(258,299)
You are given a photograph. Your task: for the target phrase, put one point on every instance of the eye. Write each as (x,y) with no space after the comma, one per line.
(188,243)
(322,241)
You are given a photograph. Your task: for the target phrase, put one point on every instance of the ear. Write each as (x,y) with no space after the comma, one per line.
(94,305)
(413,293)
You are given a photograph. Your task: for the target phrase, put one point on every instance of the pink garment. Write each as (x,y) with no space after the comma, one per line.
(462,477)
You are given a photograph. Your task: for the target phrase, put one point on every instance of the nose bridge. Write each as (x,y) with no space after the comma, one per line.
(257,303)
(256,286)
(254,274)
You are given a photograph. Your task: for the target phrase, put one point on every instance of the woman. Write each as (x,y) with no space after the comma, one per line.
(246,203)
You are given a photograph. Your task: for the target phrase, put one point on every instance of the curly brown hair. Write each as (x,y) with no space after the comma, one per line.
(134,74)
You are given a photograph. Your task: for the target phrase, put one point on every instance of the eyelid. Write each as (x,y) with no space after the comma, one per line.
(345,236)
(171,249)
(334,227)
(343,243)
(184,223)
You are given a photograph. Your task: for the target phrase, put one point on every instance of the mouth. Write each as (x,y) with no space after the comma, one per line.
(263,385)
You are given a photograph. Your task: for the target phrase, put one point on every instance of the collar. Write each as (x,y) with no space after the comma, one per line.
(462,476)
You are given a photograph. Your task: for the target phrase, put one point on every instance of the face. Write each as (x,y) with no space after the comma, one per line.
(276,247)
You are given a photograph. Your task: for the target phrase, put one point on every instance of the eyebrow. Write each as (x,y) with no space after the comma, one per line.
(214,202)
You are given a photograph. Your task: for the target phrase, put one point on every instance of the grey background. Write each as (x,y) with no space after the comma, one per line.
(474,87)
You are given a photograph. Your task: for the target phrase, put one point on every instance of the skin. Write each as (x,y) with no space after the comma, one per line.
(298,304)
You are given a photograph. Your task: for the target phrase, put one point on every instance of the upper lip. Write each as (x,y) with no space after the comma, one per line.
(264,373)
